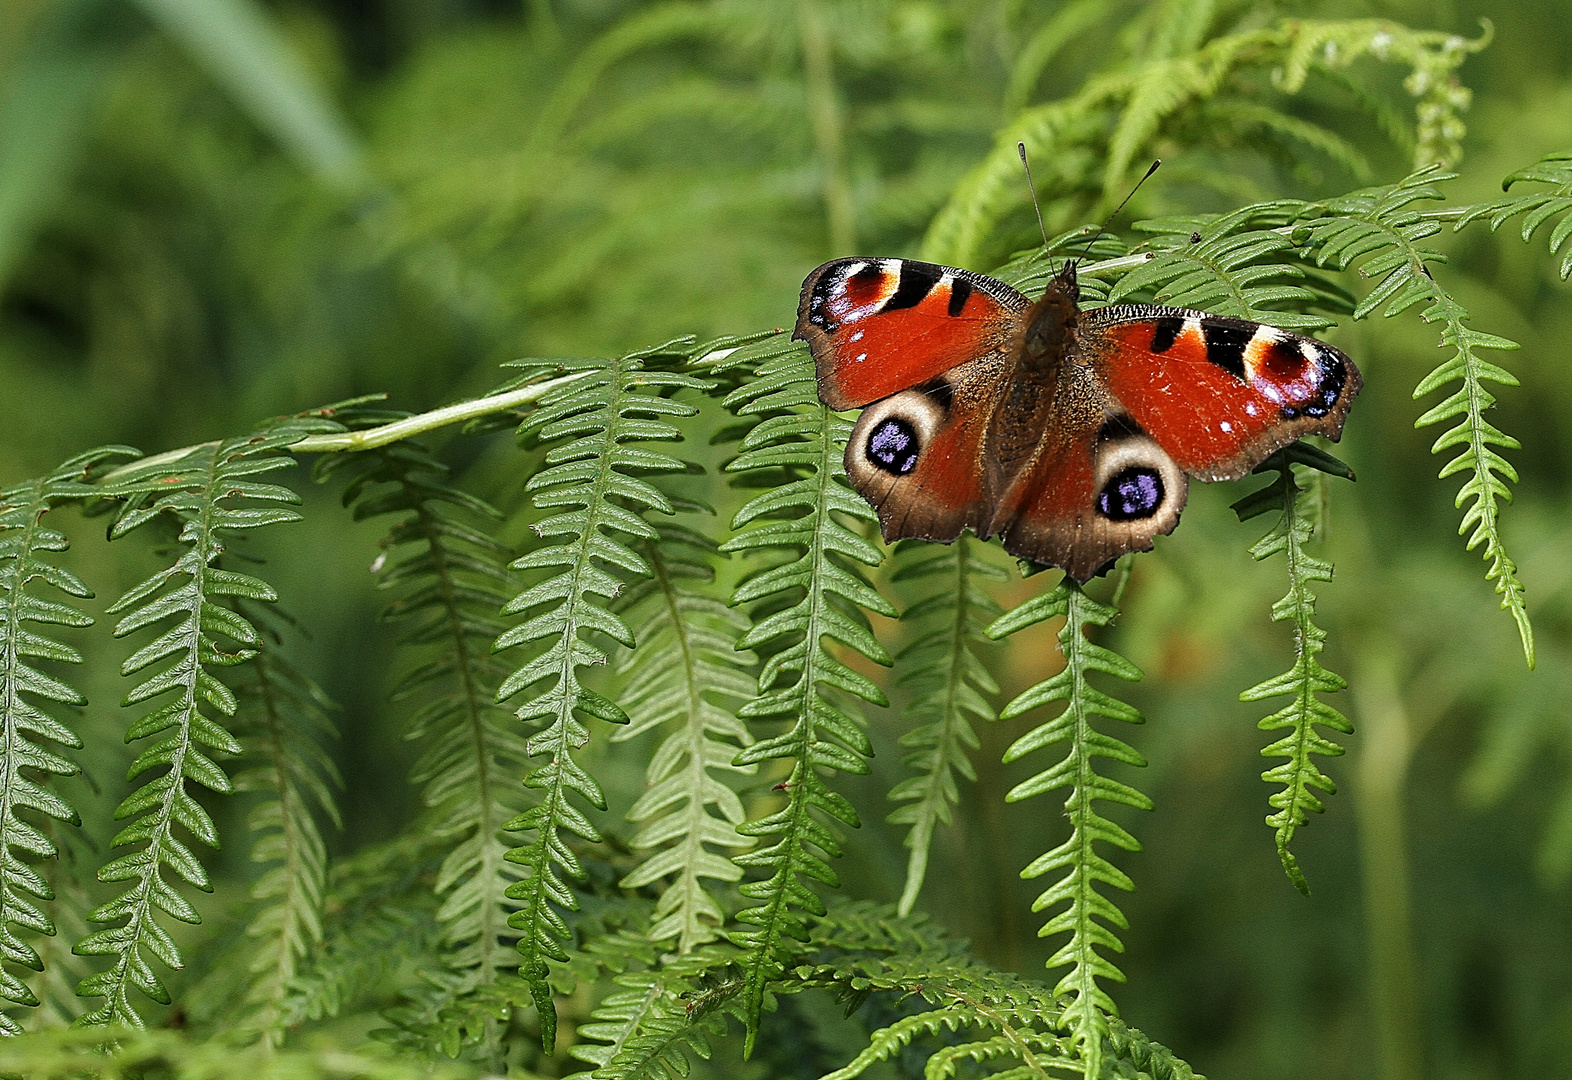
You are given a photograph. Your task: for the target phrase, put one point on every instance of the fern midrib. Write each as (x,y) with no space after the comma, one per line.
(692,932)
(933,790)
(484,802)
(10,769)
(1304,655)
(1084,974)
(294,865)
(802,771)
(204,546)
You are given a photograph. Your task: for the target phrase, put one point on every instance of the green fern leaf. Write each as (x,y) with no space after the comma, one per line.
(689,676)
(1379,230)
(592,469)
(282,719)
(810,592)
(1307,678)
(25,542)
(209,492)
(1088,912)
(1538,207)
(451,579)
(950,687)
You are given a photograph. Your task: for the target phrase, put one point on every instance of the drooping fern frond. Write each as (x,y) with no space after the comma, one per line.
(26,545)
(1539,206)
(592,470)
(1381,231)
(1088,913)
(809,593)
(451,580)
(687,675)
(282,720)
(208,492)
(1088,142)
(1306,678)
(950,688)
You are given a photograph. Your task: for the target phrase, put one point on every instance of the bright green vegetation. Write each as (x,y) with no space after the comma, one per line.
(636,753)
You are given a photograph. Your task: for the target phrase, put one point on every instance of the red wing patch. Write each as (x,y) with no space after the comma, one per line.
(1217,394)
(880,326)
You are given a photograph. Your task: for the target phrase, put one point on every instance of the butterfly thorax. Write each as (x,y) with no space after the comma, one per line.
(1050,324)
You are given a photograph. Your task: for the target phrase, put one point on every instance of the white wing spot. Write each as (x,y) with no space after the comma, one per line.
(1226,426)
(861,357)
(857,336)
(1250,408)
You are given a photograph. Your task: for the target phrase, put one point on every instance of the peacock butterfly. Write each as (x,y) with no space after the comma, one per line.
(1068,433)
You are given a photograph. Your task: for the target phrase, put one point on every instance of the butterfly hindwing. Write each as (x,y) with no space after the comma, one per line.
(919,456)
(880,326)
(1217,394)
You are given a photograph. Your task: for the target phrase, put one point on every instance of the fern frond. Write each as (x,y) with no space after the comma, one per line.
(451,579)
(1540,206)
(1086,143)
(1229,264)
(1299,718)
(648,1028)
(950,687)
(26,544)
(282,719)
(1088,913)
(810,591)
(209,492)
(1380,230)
(689,676)
(593,470)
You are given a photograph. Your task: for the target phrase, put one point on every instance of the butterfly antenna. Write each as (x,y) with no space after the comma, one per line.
(1109,220)
(1032,188)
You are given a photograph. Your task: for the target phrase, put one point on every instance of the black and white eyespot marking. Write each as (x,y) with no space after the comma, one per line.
(892,446)
(1225,344)
(1329,374)
(916,282)
(1167,332)
(940,392)
(1132,494)
(960,289)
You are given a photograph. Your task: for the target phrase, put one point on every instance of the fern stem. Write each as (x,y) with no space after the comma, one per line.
(371,438)
(825,111)
(1383,850)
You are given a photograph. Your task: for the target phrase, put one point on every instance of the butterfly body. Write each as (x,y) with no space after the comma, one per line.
(1069,433)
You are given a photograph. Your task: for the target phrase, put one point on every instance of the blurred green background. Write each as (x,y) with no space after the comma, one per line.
(215,212)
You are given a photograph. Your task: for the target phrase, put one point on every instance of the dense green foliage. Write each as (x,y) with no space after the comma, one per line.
(636,754)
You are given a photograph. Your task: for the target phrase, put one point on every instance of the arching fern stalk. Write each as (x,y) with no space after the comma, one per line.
(1302,742)
(592,469)
(810,594)
(1087,914)
(208,492)
(687,675)
(25,542)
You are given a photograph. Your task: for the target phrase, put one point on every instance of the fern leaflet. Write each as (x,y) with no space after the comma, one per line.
(950,687)
(1307,678)
(687,674)
(812,591)
(1540,207)
(24,539)
(1084,867)
(209,492)
(592,469)
(1380,229)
